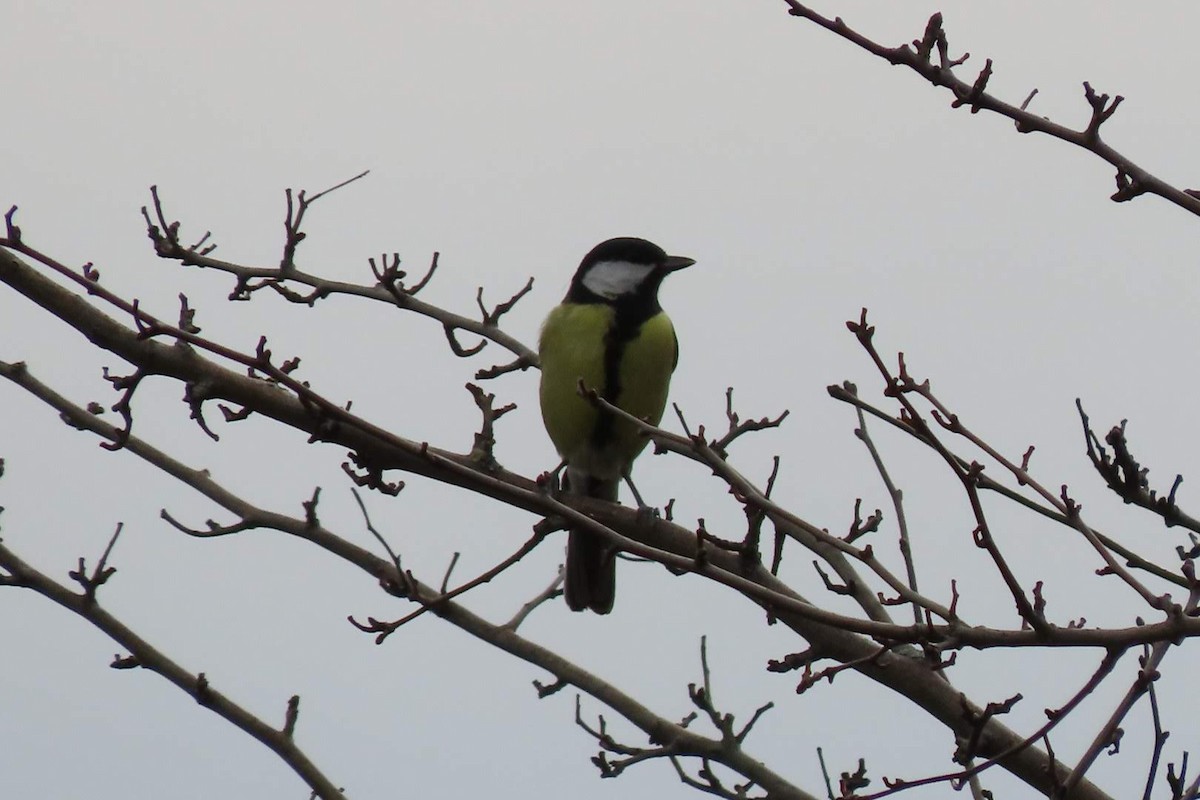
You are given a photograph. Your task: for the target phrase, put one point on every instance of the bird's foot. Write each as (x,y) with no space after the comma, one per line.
(551,482)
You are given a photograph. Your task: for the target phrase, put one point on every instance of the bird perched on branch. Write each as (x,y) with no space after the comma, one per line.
(611,334)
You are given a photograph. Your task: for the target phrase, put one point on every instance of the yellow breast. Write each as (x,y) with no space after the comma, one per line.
(573,345)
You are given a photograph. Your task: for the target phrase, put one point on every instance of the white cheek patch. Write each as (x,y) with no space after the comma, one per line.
(611,279)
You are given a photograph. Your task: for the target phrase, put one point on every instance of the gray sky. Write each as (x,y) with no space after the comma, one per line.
(806,178)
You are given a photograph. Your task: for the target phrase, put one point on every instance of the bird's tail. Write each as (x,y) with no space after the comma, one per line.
(591,579)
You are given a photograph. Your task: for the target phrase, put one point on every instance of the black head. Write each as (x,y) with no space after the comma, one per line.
(623,270)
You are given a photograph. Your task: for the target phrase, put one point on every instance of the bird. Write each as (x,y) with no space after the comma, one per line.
(610,333)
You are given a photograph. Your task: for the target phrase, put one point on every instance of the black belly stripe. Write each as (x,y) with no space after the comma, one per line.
(630,311)
(628,316)
(614,347)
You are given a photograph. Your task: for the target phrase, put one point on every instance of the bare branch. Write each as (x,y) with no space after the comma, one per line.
(897,498)
(1127,478)
(1132,180)
(193,684)
(387,288)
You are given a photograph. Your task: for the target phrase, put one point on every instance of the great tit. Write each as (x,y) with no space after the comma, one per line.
(610,333)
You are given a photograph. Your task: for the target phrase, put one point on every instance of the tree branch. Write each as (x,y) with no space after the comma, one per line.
(1131,179)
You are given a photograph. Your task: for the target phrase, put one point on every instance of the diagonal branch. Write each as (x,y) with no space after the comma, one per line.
(1132,180)
(148,657)
(165,236)
(1132,558)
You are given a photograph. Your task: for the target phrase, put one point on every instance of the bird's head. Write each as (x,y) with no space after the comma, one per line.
(623,268)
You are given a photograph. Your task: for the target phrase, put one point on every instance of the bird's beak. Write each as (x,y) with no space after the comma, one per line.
(677,262)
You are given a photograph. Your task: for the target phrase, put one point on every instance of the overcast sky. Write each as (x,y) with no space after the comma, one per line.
(807,179)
